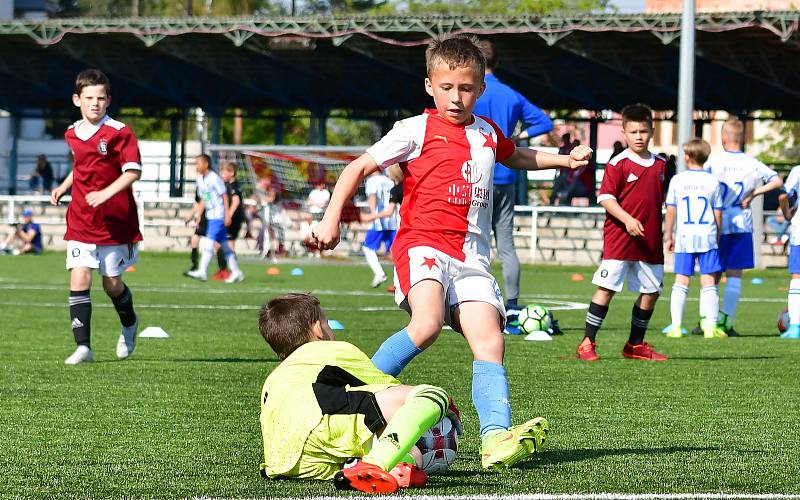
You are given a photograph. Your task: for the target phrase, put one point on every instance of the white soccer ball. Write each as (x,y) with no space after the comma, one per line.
(439,446)
(534,318)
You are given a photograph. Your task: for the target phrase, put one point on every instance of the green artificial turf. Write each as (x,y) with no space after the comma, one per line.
(180,418)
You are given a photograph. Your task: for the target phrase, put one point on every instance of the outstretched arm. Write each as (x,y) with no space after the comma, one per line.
(530,159)
(326,234)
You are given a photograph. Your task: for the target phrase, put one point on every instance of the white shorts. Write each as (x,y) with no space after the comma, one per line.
(642,277)
(111,260)
(461,281)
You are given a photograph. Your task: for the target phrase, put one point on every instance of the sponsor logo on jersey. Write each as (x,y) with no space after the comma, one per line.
(441,137)
(102,146)
(470,173)
(632,177)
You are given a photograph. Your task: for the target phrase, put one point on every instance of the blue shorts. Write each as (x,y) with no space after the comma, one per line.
(374,237)
(216,230)
(709,262)
(736,251)
(794,259)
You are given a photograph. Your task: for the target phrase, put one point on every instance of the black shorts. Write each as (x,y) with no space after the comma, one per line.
(234,229)
(200,230)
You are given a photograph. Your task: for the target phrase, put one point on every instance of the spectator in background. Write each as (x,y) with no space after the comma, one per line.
(318,199)
(25,237)
(507,108)
(268,211)
(45,172)
(561,182)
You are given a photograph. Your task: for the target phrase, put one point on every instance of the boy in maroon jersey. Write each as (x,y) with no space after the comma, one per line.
(632,193)
(442,248)
(102,222)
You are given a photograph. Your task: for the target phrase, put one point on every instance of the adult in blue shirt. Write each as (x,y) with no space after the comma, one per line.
(507,107)
(27,235)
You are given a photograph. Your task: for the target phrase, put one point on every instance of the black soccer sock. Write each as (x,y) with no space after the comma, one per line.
(640,318)
(221,261)
(80,313)
(123,303)
(594,319)
(195,257)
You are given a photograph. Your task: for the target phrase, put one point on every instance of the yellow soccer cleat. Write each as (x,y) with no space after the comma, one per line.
(504,449)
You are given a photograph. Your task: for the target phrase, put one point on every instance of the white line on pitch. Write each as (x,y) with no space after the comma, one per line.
(582,496)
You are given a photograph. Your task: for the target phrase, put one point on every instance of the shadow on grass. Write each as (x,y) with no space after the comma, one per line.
(555,457)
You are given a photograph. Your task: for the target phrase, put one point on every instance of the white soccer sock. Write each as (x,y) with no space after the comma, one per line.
(207,254)
(676,303)
(233,264)
(709,303)
(794,301)
(373,262)
(733,289)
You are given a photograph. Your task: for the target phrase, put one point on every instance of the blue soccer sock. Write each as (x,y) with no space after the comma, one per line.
(490,396)
(395,353)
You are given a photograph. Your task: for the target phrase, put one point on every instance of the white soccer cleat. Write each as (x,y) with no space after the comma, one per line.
(81,355)
(197,274)
(377,280)
(235,277)
(127,340)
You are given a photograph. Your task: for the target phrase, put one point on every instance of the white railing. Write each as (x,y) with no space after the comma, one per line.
(534,223)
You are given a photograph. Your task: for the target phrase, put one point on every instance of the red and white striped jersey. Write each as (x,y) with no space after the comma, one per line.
(447,191)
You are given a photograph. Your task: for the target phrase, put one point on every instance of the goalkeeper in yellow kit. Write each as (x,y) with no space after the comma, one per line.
(326,403)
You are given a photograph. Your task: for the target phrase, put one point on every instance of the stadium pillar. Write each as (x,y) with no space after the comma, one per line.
(279,121)
(184,128)
(216,125)
(173,156)
(686,78)
(13,155)
(594,123)
(317,131)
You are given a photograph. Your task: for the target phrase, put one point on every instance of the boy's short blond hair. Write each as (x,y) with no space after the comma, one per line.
(460,51)
(229,165)
(285,322)
(89,78)
(732,129)
(639,113)
(697,150)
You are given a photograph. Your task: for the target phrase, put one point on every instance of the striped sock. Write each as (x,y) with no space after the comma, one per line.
(640,318)
(80,313)
(594,319)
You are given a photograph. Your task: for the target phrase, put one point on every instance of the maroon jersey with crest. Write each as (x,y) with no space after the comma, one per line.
(638,186)
(99,161)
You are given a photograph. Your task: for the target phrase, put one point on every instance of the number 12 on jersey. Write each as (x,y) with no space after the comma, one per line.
(694,202)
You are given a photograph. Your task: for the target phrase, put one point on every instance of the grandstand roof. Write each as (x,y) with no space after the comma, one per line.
(746,61)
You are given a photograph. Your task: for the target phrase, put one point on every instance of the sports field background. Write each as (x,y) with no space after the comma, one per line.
(180,418)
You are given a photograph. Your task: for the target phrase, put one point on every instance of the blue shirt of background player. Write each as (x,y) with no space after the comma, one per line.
(36,242)
(505,106)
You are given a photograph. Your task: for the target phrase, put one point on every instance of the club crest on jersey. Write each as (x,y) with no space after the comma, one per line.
(470,172)
(102,146)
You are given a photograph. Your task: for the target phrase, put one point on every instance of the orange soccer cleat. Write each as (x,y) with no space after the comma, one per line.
(586,350)
(642,351)
(365,477)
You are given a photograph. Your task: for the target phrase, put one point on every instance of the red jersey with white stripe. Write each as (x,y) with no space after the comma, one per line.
(447,191)
(638,186)
(99,160)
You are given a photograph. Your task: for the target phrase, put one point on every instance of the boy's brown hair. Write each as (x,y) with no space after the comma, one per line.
(229,165)
(637,113)
(489,54)
(459,51)
(91,77)
(285,322)
(697,150)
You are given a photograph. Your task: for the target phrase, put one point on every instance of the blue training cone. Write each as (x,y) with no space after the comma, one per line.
(335,325)
(757,281)
(297,272)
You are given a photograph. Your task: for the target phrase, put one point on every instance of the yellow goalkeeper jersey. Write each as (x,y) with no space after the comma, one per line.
(316,375)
